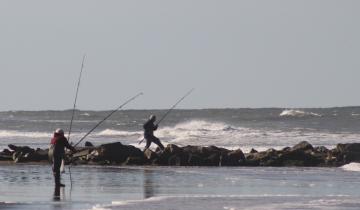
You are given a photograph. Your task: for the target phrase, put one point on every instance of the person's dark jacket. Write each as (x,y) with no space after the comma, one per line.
(58,144)
(149,128)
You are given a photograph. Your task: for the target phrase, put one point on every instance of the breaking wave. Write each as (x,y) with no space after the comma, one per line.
(111,132)
(85,114)
(204,133)
(17,134)
(298,113)
(197,132)
(351,167)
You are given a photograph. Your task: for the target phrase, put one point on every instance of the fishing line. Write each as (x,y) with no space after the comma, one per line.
(109,115)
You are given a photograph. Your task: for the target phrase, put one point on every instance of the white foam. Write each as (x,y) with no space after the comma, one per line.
(351,167)
(110,132)
(298,113)
(99,207)
(7,133)
(198,132)
(204,133)
(162,198)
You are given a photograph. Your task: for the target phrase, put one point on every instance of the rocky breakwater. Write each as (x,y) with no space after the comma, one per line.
(20,154)
(302,154)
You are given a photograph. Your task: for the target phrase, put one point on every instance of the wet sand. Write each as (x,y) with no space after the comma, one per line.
(109,187)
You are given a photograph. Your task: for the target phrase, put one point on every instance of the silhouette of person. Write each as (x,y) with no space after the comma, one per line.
(149,128)
(57,153)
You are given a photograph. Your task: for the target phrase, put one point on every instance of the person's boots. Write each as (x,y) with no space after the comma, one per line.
(57,180)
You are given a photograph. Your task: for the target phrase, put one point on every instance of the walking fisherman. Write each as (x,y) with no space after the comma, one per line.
(57,153)
(149,128)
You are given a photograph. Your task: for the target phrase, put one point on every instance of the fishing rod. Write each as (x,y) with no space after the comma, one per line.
(76,96)
(72,116)
(172,108)
(62,168)
(109,115)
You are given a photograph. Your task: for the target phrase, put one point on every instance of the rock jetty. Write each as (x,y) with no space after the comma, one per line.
(302,154)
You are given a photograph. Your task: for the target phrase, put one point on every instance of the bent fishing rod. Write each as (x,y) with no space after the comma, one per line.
(109,115)
(172,108)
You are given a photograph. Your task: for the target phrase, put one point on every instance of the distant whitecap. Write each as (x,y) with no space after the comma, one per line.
(298,113)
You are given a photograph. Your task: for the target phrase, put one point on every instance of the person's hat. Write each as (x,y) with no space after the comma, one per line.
(152,117)
(59,131)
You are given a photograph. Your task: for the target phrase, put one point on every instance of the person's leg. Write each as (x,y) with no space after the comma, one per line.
(157,142)
(148,142)
(56,170)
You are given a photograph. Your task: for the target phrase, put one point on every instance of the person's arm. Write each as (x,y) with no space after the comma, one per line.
(67,145)
(155,127)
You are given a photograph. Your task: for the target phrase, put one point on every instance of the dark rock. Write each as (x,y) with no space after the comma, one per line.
(211,150)
(174,160)
(345,148)
(321,149)
(195,160)
(204,152)
(346,153)
(233,158)
(4,157)
(191,149)
(82,153)
(304,145)
(299,158)
(115,153)
(27,154)
(40,155)
(24,149)
(266,158)
(6,152)
(88,144)
(170,150)
(134,161)
(253,151)
(150,155)
(18,157)
(173,149)
(286,149)
(212,160)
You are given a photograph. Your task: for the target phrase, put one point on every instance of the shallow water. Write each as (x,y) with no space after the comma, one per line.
(98,187)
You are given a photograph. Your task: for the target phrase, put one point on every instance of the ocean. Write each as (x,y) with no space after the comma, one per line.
(105,187)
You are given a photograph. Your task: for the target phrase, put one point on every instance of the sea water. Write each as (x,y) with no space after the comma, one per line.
(231,128)
(99,187)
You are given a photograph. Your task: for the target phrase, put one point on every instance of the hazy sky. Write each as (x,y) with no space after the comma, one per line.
(235,53)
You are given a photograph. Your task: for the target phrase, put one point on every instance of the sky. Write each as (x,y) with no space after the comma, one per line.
(235,53)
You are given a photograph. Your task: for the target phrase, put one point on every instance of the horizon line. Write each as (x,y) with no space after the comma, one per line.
(159,109)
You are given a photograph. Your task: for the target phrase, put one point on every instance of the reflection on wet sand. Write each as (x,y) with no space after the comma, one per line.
(148,184)
(59,193)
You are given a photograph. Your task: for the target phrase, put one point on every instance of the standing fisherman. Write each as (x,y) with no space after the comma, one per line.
(57,153)
(149,128)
